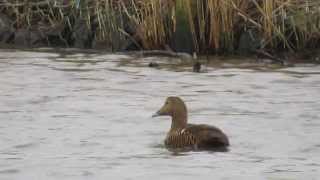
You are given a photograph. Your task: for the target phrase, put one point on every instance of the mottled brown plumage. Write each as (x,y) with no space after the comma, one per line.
(186,136)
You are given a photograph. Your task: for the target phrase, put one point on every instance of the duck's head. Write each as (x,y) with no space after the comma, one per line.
(174,107)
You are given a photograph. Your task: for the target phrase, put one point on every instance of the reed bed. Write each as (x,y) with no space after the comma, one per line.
(280,24)
(215,25)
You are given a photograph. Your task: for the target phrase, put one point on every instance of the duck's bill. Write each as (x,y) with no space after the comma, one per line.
(156,114)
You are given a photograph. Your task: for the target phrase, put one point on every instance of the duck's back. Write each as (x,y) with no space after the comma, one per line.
(197,137)
(208,136)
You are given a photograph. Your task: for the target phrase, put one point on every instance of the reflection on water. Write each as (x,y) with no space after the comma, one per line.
(80,116)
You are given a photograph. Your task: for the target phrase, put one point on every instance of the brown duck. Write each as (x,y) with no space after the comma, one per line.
(186,136)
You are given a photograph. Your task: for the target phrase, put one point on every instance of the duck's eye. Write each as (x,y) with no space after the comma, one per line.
(166,102)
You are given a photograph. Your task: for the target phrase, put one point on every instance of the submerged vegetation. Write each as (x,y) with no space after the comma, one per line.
(207,26)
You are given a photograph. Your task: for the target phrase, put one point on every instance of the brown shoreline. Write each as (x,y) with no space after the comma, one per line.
(307,58)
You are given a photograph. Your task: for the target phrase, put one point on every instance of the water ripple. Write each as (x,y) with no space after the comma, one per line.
(9,171)
(91,118)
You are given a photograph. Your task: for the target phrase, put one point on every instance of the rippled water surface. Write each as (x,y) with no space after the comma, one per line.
(88,116)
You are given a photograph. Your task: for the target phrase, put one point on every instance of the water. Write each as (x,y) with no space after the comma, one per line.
(88,116)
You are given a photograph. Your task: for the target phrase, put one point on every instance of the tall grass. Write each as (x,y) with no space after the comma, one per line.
(152,21)
(215,25)
(287,24)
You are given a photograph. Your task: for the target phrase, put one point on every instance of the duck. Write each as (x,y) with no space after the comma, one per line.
(196,67)
(153,64)
(183,136)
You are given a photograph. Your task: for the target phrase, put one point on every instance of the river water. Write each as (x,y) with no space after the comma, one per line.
(88,116)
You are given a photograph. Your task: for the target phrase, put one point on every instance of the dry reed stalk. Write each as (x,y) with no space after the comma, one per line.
(150,18)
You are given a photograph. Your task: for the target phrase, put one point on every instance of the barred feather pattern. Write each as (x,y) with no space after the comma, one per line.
(180,139)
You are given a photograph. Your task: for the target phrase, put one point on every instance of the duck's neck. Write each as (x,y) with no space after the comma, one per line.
(179,120)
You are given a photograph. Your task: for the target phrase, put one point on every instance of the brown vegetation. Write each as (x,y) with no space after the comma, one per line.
(215,25)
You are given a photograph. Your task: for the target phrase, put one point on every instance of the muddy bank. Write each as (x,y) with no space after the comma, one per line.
(45,35)
(183,62)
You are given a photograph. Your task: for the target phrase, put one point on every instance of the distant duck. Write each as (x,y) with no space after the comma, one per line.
(184,136)
(153,64)
(196,67)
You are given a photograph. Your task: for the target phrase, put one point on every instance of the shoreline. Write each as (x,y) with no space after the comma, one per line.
(145,59)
